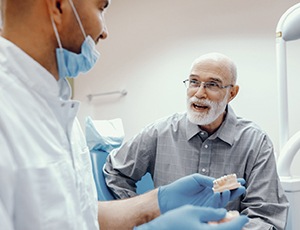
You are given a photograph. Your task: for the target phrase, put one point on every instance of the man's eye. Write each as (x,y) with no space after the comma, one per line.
(212,84)
(193,82)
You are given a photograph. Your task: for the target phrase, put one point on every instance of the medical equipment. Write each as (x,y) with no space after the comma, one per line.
(288,29)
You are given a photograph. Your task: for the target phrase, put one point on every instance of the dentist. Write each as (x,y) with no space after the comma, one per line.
(45,170)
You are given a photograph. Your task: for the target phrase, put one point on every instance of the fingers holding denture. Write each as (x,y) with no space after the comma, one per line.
(229,216)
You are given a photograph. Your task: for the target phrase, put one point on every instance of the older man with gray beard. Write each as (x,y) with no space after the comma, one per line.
(208,139)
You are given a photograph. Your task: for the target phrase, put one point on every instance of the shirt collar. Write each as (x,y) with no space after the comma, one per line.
(30,72)
(191,129)
(225,132)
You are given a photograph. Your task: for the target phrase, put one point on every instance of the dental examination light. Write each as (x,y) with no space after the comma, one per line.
(288,29)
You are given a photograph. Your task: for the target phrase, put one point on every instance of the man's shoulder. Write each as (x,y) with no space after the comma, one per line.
(164,124)
(250,131)
(174,118)
(242,123)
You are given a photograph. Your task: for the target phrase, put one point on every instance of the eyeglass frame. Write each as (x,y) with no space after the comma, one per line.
(204,84)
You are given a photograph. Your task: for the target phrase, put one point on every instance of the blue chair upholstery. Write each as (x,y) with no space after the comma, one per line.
(98,159)
(145,184)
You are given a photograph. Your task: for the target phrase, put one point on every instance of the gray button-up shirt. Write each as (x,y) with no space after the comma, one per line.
(174,147)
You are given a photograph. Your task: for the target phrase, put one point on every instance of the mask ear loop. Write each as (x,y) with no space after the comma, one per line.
(64,86)
(61,54)
(77,18)
(56,33)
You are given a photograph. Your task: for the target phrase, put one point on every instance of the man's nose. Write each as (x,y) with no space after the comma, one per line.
(201,91)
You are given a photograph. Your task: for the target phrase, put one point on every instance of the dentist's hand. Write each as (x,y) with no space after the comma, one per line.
(220,200)
(194,189)
(194,218)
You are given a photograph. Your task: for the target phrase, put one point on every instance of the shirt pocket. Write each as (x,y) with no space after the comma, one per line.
(47,197)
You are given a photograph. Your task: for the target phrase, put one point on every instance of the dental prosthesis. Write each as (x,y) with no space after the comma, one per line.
(229,216)
(226,182)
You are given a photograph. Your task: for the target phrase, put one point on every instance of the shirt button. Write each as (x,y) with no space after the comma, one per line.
(206,146)
(202,133)
(203,170)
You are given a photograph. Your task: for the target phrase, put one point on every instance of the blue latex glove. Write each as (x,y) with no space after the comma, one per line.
(194,189)
(194,218)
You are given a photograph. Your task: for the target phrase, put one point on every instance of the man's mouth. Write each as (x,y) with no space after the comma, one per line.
(200,107)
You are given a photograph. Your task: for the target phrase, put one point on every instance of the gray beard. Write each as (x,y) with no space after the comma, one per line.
(216,109)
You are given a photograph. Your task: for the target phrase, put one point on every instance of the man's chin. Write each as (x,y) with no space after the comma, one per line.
(200,123)
(195,119)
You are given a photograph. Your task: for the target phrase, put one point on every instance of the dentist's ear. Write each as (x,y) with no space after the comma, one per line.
(58,9)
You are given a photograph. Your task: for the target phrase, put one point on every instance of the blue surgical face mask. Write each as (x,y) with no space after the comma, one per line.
(70,64)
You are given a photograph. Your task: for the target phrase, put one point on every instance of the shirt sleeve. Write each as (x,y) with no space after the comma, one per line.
(264,202)
(128,164)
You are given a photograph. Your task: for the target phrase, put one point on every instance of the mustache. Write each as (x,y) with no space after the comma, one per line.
(204,102)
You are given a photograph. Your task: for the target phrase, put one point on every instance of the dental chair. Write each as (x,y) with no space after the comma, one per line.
(98,160)
(102,137)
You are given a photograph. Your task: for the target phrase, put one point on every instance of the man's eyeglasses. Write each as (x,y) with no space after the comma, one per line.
(210,85)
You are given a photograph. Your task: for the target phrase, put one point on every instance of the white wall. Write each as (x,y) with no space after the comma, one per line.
(152,44)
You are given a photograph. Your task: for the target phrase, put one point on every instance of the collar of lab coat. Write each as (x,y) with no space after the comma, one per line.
(30,72)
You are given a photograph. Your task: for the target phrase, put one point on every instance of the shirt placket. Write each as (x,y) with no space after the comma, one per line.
(205,153)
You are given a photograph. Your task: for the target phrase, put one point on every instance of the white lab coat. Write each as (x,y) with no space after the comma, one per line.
(46,179)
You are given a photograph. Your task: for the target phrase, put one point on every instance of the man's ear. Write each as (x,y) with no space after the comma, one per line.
(233,92)
(55,9)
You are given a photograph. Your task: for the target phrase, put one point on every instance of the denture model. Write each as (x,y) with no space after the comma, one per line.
(229,216)
(226,182)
